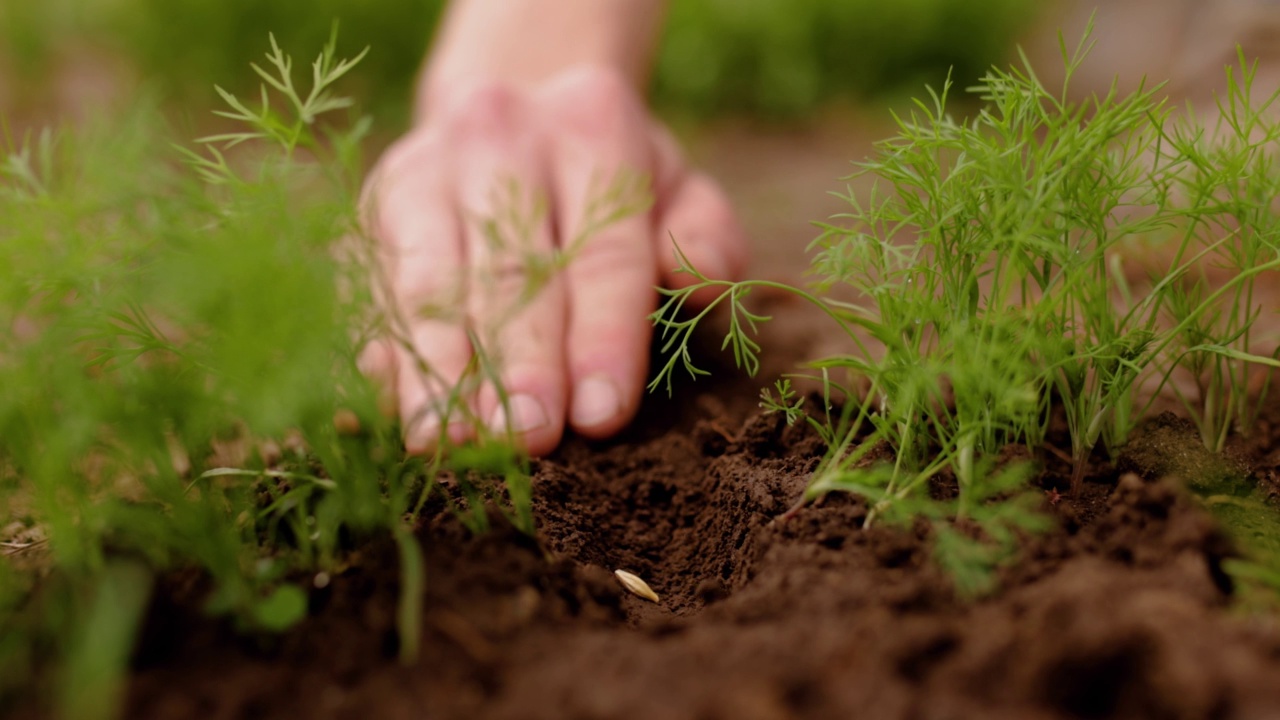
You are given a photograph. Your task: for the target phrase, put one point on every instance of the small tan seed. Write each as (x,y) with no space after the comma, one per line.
(636,586)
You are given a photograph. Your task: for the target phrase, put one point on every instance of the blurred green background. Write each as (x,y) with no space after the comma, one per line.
(776,58)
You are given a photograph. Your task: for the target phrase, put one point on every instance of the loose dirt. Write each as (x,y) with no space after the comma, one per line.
(1124,611)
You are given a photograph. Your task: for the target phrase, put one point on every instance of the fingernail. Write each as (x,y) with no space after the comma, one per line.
(595,401)
(526,412)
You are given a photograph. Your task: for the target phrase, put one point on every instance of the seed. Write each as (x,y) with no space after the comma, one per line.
(636,586)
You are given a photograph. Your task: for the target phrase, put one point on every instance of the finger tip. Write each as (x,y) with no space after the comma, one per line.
(532,421)
(601,431)
(423,441)
(541,443)
(599,408)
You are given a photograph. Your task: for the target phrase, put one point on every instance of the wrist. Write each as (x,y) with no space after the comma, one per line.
(519,44)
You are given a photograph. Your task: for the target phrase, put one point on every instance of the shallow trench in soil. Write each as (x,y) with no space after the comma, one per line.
(1124,611)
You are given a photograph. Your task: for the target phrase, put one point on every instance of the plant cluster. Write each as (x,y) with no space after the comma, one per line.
(178,349)
(1043,256)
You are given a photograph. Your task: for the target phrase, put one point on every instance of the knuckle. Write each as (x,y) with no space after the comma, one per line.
(405,172)
(487,109)
(611,255)
(592,101)
(406,152)
(426,292)
(507,287)
(503,277)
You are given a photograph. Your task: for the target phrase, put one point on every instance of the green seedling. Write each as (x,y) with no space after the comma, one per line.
(178,350)
(148,319)
(994,264)
(1227,173)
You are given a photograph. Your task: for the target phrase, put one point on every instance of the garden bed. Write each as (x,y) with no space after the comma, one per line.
(981,516)
(1123,611)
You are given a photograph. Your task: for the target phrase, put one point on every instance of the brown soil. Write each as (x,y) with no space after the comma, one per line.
(1122,612)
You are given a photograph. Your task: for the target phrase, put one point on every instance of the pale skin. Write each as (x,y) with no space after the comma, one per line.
(544,93)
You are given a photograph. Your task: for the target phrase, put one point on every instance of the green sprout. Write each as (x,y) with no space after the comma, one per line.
(993,262)
(178,348)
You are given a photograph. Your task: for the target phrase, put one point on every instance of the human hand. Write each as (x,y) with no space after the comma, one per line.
(576,352)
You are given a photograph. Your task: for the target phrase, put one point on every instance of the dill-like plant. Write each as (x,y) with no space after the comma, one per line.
(178,346)
(992,264)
